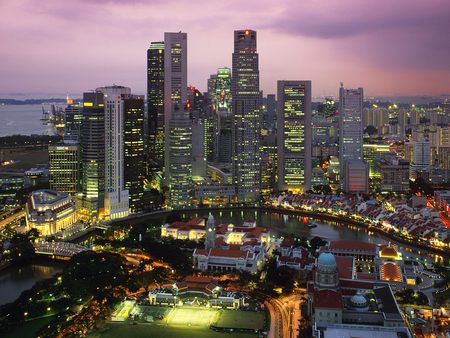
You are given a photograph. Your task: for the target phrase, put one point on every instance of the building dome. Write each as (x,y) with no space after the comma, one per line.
(388,251)
(358,302)
(326,259)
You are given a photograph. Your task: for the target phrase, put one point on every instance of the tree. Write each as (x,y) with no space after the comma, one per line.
(89,273)
(316,243)
(173,217)
(157,276)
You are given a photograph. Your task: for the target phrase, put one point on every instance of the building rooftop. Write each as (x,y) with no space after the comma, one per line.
(328,299)
(353,245)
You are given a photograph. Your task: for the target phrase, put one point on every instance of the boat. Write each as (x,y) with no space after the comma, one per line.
(312,224)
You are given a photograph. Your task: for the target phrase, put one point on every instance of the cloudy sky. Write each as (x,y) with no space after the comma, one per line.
(399,47)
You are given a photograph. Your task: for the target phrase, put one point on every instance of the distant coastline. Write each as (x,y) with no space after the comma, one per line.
(15,102)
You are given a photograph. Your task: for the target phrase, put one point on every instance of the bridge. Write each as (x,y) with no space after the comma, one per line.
(59,250)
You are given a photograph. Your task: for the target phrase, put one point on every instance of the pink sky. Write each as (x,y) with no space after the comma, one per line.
(399,47)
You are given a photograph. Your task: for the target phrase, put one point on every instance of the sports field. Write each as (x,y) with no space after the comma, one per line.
(121,330)
(184,316)
(247,320)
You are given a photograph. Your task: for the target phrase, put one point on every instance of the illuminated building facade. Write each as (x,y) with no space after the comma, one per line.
(65,167)
(246,100)
(90,200)
(73,116)
(49,212)
(155,104)
(222,106)
(180,161)
(116,196)
(178,131)
(373,154)
(134,153)
(294,135)
(350,127)
(268,163)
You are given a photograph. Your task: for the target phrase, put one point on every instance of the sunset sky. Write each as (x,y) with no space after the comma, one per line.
(389,47)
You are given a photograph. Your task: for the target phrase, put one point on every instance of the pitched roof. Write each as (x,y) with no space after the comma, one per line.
(345,267)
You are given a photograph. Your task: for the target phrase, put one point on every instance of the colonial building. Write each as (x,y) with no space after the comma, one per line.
(50,211)
(341,307)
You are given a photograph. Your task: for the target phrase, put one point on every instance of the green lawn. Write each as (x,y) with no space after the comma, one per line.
(240,319)
(121,330)
(24,159)
(186,317)
(27,329)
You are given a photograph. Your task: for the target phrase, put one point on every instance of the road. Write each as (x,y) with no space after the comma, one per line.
(284,316)
(14,217)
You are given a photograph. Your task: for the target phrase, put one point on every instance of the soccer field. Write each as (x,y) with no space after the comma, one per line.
(192,317)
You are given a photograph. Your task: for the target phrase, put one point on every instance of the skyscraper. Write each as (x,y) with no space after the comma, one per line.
(116,196)
(246,99)
(134,153)
(222,107)
(294,135)
(73,116)
(420,165)
(178,134)
(90,201)
(155,104)
(350,128)
(65,167)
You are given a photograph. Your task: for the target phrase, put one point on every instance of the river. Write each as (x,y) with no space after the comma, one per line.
(15,280)
(282,225)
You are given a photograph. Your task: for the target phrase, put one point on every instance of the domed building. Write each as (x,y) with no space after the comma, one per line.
(359,302)
(326,274)
(389,252)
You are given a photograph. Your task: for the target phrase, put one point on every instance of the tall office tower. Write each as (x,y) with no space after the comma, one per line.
(246,100)
(270,116)
(175,84)
(294,135)
(65,167)
(178,135)
(269,175)
(116,196)
(155,105)
(134,152)
(90,200)
(420,165)
(73,115)
(222,108)
(211,86)
(200,141)
(180,161)
(350,128)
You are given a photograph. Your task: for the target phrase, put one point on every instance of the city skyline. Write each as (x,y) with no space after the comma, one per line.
(389,49)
